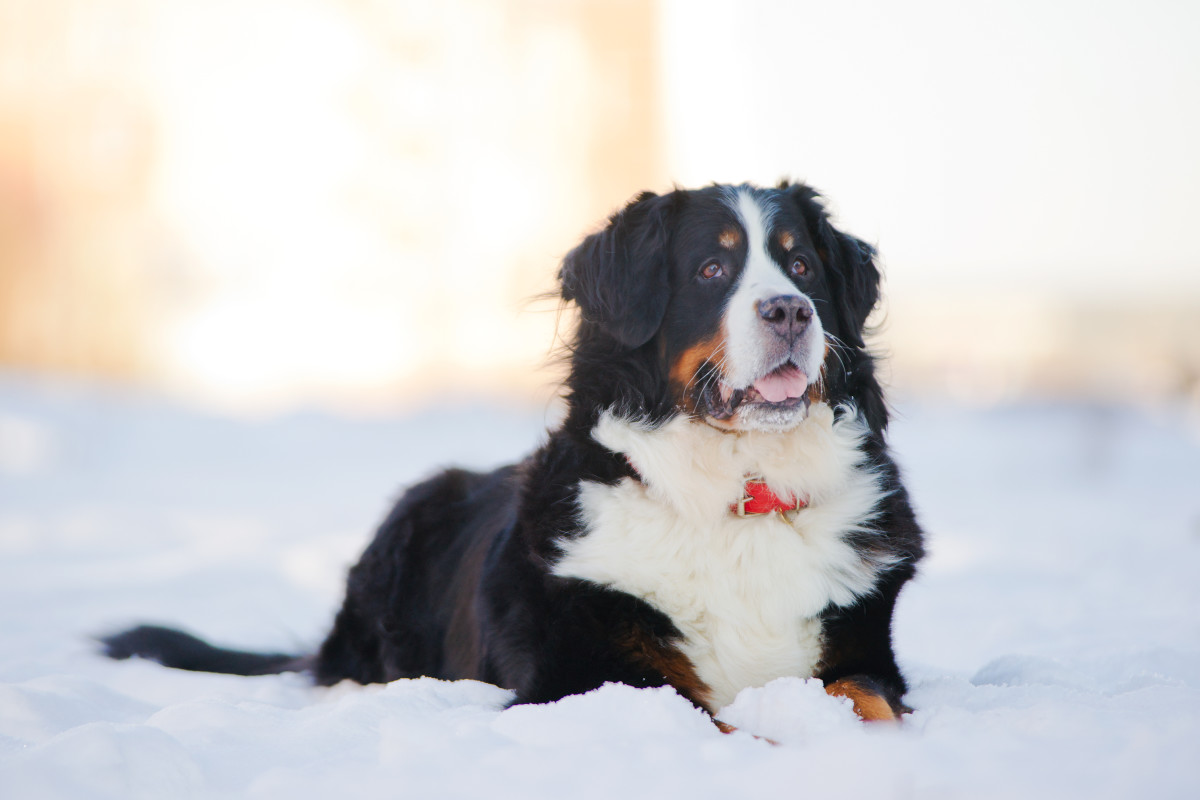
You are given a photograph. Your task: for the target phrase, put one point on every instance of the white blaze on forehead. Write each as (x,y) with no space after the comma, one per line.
(755,218)
(762,278)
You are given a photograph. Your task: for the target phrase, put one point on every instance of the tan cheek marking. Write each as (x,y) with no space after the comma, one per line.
(869,706)
(683,371)
(729,238)
(787,240)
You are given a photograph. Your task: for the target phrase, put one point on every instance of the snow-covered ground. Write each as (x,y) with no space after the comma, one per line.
(1052,640)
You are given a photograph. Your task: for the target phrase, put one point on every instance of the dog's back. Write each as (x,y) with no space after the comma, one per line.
(411,601)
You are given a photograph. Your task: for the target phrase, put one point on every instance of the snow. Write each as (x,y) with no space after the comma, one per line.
(1052,639)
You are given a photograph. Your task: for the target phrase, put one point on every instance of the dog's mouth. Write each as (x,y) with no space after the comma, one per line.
(783,388)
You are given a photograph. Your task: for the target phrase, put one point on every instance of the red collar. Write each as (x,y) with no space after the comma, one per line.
(758,499)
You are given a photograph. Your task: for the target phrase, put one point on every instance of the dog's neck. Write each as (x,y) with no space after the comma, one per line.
(701,472)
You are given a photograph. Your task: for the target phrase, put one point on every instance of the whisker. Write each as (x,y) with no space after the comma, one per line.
(711,375)
(837,354)
(838,347)
(836,341)
(714,376)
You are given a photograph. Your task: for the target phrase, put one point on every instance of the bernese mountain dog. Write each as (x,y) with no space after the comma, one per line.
(718,508)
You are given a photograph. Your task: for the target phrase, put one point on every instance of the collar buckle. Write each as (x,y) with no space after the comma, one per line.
(762,501)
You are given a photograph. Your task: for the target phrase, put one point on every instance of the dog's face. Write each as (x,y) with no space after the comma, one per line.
(745,295)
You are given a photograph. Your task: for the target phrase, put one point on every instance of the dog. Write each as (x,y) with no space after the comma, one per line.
(718,508)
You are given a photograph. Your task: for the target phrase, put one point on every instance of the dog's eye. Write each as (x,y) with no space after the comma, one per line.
(712,269)
(799,266)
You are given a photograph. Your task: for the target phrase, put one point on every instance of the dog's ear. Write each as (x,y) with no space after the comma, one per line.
(619,277)
(850,262)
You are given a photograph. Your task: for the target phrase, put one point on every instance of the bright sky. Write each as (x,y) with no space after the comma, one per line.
(1032,143)
(359,199)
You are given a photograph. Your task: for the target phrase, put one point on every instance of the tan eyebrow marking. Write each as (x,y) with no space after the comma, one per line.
(787,240)
(729,238)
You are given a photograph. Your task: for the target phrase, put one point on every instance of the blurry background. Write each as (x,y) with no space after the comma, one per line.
(259,205)
(263,262)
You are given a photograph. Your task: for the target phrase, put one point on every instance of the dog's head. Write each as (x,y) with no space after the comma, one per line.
(748,299)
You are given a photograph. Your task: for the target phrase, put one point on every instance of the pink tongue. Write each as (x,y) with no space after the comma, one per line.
(782,384)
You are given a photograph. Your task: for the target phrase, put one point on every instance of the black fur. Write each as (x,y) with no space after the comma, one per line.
(178,649)
(457,581)
(618,277)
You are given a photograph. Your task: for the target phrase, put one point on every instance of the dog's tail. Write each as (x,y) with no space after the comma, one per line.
(173,648)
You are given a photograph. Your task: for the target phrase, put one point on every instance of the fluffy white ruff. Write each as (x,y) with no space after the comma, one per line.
(745,592)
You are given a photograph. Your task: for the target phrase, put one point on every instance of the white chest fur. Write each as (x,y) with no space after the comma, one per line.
(745,592)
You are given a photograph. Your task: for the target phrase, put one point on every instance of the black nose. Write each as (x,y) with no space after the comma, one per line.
(786,314)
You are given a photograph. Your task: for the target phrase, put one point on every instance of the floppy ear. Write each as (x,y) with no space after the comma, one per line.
(619,276)
(850,262)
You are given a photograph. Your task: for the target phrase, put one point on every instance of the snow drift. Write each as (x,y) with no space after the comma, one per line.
(1052,640)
